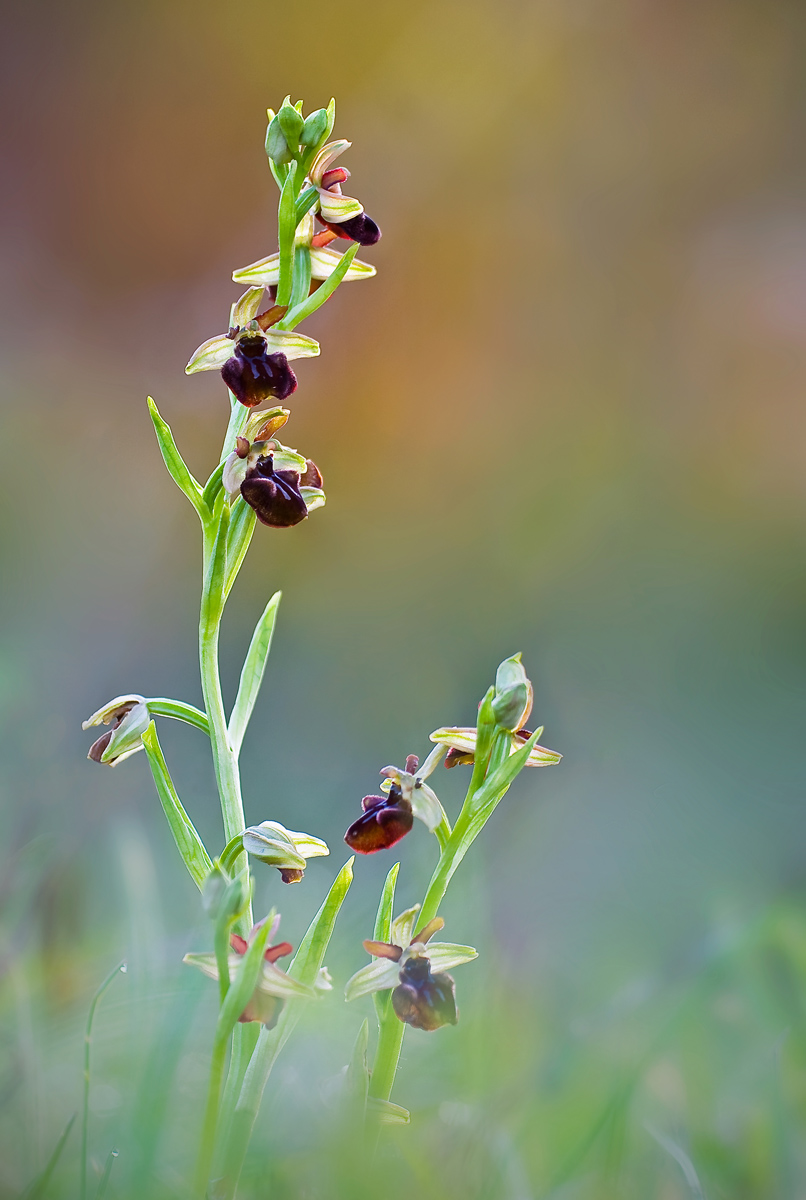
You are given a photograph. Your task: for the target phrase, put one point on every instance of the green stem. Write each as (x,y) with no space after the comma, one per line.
(387,1055)
(86,1100)
(210,1124)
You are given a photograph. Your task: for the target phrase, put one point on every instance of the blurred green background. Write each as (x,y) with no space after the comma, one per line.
(566,418)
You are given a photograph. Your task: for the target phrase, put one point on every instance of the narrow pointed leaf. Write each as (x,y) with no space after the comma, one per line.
(388,1113)
(175,463)
(216,573)
(188,842)
(287,224)
(252,672)
(242,523)
(383,921)
(301,311)
(244,982)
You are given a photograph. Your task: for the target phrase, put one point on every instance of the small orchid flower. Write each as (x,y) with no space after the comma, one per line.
(511,704)
(252,356)
(129,718)
(279,484)
(388,818)
(423,995)
(343,215)
(272,843)
(274,986)
(266,271)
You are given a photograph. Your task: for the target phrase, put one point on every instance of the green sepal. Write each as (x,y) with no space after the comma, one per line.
(37,1186)
(277,149)
(216,573)
(306,308)
(499,780)
(485,732)
(175,463)
(161,706)
(314,128)
(287,225)
(188,842)
(291,123)
(213,485)
(383,931)
(301,280)
(242,987)
(252,673)
(242,523)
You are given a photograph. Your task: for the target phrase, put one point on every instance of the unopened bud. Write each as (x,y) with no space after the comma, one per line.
(512,702)
(276,145)
(315,128)
(291,123)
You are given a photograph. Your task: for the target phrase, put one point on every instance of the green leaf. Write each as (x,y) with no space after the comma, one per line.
(176,464)
(383,933)
(310,955)
(241,527)
(245,981)
(216,572)
(306,202)
(252,672)
(388,1113)
(301,312)
(214,485)
(301,284)
(188,842)
(287,226)
(37,1187)
(161,706)
(383,921)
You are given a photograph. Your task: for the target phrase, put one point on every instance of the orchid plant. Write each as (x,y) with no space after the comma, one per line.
(259,479)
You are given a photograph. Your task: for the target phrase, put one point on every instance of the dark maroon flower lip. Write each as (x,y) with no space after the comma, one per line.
(275,495)
(361,229)
(253,375)
(423,999)
(385,820)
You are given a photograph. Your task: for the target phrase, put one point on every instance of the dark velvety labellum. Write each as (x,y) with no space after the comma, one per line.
(97,748)
(312,476)
(422,999)
(291,874)
(361,229)
(274,495)
(254,375)
(381,826)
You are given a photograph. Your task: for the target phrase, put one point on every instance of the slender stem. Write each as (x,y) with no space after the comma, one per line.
(387,1055)
(210,1123)
(85,1112)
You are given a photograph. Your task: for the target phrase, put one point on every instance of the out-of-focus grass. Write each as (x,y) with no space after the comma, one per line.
(687,1078)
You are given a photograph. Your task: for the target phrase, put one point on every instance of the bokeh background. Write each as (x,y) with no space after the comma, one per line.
(566,418)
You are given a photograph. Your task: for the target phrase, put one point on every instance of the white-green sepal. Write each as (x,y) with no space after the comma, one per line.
(444,955)
(265,272)
(325,157)
(377,976)
(337,208)
(403,926)
(314,498)
(426,806)
(246,309)
(292,345)
(211,355)
(324,262)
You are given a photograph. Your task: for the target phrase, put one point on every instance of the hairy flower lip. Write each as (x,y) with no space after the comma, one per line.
(274,495)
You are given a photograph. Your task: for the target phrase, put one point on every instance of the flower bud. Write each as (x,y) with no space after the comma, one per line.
(253,375)
(512,702)
(129,718)
(314,128)
(291,123)
(423,999)
(276,145)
